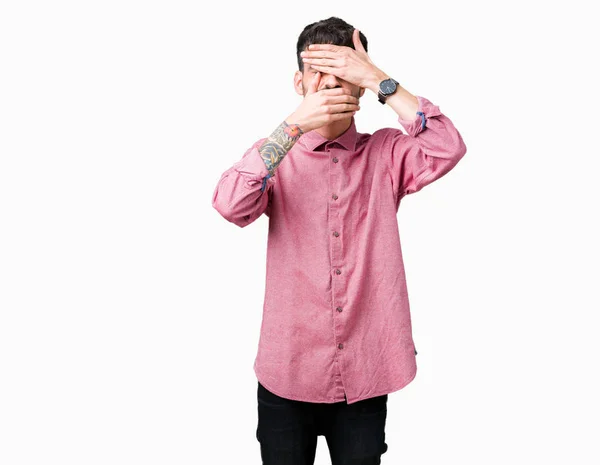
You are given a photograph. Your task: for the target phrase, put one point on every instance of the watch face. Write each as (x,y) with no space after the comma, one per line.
(387,86)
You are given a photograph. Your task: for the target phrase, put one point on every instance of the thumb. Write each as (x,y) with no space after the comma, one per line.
(313,85)
(358,46)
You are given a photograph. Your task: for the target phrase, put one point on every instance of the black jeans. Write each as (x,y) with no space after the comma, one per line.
(287,430)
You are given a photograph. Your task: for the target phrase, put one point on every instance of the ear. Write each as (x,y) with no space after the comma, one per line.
(298,87)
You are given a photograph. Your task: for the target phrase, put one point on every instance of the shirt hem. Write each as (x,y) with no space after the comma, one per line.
(348,401)
(387,391)
(301,399)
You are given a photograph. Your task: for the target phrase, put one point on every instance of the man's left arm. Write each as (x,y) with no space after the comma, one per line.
(433,145)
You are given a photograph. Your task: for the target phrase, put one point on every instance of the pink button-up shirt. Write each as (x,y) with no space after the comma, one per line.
(336,320)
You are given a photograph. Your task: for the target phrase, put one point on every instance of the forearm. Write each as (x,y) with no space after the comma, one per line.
(402,101)
(278,144)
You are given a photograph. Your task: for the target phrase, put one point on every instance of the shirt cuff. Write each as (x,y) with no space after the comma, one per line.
(425,110)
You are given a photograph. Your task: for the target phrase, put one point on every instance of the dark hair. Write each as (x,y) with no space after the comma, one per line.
(332,30)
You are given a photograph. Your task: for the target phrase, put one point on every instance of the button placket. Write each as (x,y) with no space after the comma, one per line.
(338,284)
(337,258)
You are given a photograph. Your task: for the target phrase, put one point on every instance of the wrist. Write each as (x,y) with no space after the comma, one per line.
(294,120)
(375,79)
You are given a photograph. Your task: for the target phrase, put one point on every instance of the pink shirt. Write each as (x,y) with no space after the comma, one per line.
(336,319)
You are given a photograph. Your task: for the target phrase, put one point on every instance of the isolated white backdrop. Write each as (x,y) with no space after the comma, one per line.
(130,310)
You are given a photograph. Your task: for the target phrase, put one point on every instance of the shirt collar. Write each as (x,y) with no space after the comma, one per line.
(312,139)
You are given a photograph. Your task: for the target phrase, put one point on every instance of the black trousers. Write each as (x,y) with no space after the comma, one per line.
(288,429)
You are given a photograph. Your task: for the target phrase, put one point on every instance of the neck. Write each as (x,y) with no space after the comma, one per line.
(335,129)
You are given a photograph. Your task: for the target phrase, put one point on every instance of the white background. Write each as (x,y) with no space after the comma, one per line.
(130,309)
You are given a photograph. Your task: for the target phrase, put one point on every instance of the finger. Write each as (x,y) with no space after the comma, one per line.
(343,107)
(344,98)
(313,85)
(319,54)
(326,69)
(322,61)
(338,91)
(333,48)
(342,115)
(356,40)
(340,97)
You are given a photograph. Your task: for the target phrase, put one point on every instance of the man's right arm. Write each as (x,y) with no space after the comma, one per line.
(279,143)
(242,193)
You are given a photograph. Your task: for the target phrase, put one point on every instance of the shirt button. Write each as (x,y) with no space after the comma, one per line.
(336,234)
(334,197)
(335,160)
(340,346)
(338,271)
(339,309)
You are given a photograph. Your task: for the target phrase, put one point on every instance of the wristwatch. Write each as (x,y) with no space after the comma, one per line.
(386,88)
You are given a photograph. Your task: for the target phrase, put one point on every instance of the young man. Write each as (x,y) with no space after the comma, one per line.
(336,335)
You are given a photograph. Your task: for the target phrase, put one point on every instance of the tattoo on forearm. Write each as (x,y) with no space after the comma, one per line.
(278,144)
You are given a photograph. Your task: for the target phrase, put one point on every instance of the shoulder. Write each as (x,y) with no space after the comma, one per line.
(380,138)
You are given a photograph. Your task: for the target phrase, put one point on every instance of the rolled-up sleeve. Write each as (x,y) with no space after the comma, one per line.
(431,149)
(244,190)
